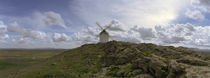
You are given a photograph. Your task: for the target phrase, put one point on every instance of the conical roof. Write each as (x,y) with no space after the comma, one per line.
(104,32)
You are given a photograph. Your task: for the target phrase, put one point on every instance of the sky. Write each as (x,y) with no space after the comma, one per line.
(72,23)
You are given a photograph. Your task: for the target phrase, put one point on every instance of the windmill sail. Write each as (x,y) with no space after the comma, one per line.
(99,26)
(108,26)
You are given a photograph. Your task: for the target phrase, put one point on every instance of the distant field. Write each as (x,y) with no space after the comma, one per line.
(206,54)
(13,59)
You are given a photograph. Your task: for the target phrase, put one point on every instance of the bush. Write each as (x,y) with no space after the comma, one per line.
(128,68)
(112,73)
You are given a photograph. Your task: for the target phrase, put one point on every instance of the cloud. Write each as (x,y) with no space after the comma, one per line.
(15,28)
(173,34)
(201,4)
(201,38)
(39,20)
(3,27)
(49,18)
(187,35)
(57,37)
(20,40)
(21,37)
(53,18)
(147,13)
(115,25)
(85,37)
(195,15)
(4,37)
(145,33)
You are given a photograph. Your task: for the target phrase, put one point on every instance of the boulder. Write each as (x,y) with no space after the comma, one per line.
(153,65)
(176,70)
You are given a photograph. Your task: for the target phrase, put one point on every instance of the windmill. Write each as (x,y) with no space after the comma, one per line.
(104,35)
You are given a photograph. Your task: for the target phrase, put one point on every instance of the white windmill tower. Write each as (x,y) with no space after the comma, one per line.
(104,35)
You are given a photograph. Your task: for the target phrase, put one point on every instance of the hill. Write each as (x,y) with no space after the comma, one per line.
(121,60)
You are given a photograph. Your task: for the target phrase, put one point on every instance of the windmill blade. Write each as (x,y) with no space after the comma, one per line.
(99,26)
(108,26)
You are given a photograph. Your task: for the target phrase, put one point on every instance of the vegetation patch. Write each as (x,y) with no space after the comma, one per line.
(113,71)
(165,74)
(128,68)
(56,74)
(7,65)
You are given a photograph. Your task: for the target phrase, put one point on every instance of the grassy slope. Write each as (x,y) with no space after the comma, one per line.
(79,62)
(88,61)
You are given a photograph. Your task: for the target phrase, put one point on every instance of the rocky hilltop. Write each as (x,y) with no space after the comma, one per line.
(121,60)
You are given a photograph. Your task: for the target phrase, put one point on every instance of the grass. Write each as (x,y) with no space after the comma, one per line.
(76,63)
(112,73)
(4,65)
(128,68)
(26,56)
(12,60)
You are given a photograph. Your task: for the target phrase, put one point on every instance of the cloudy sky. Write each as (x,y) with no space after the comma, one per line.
(71,23)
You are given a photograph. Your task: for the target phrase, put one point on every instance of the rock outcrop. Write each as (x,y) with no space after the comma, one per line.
(151,60)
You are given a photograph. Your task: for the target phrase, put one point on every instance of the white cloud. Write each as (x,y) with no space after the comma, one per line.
(57,37)
(3,28)
(30,38)
(48,19)
(195,15)
(85,37)
(20,40)
(15,28)
(201,37)
(4,37)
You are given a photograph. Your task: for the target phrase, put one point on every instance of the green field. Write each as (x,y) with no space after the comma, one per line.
(11,60)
